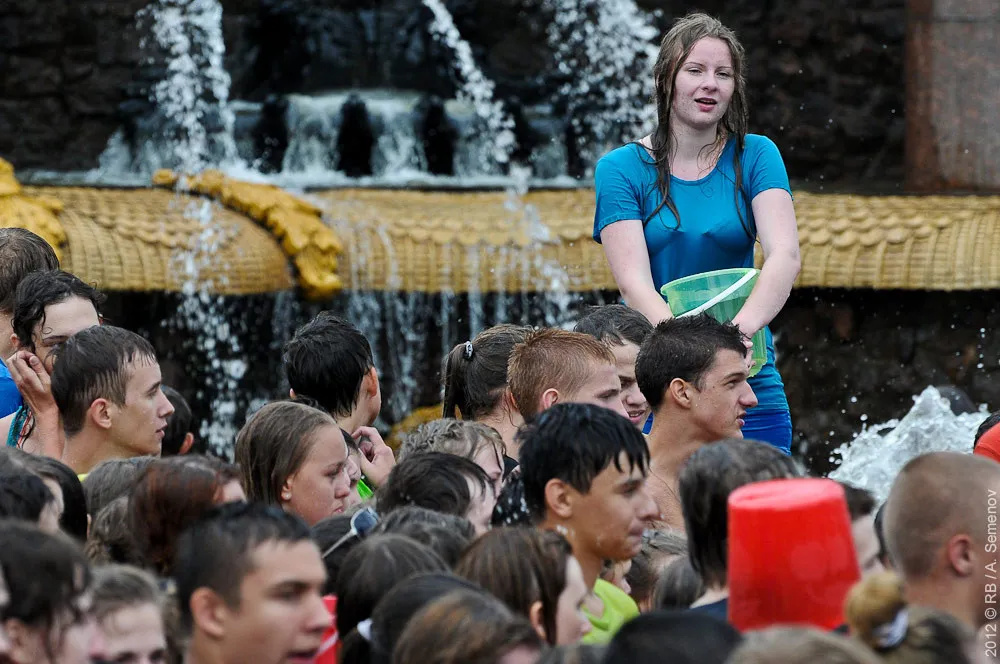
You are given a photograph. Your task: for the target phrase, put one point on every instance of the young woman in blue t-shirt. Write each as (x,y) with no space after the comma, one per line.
(694,195)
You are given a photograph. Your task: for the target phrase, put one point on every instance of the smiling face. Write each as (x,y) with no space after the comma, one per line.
(321,486)
(636,406)
(721,402)
(137,426)
(704,85)
(280,617)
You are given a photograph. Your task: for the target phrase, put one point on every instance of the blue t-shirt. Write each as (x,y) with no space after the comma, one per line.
(710,235)
(10,398)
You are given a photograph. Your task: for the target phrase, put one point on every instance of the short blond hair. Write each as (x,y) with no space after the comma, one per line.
(552,358)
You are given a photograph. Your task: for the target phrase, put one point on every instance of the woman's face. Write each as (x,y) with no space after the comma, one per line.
(321,486)
(704,85)
(571,623)
(73,638)
(488,458)
(481,506)
(134,634)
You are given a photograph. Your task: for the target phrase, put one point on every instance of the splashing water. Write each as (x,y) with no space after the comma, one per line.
(474,87)
(874,458)
(605,50)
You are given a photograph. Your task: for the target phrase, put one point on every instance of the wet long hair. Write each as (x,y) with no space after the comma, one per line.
(674,51)
(475,372)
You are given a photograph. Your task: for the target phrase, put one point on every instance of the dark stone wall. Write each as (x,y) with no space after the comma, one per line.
(826,79)
(848,354)
(64,68)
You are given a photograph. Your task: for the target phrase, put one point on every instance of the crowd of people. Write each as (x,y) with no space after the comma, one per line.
(621,492)
(534,521)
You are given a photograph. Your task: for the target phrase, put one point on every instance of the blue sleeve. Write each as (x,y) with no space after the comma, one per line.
(764,168)
(617,192)
(10,398)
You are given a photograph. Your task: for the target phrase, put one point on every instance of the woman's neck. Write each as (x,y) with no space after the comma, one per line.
(505,425)
(688,145)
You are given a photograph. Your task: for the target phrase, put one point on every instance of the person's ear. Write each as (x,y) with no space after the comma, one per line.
(101,413)
(15,343)
(680,392)
(286,490)
(291,393)
(209,612)
(559,499)
(959,552)
(25,642)
(371,382)
(536,619)
(550,397)
(187,444)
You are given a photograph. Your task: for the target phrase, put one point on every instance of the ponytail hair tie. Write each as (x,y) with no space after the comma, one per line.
(468,350)
(891,634)
(365,629)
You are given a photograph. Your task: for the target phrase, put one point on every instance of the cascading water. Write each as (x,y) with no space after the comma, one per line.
(873,459)
(604,50)
(194,95)
(475,88)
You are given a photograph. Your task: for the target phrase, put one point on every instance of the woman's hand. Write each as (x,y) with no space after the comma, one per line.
(32,381)
(376,458)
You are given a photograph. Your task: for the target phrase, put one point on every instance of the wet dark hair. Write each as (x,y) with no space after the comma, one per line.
(678,637)
(683,348)
(46,575)
(615,324)
(474,383)
(678,586)
(463,627)
(706,481)
(445,534)
(110,479)
(574,443)
(988,423)
(860,503)
(168,496)
(95,364)
(327,360)
(218,551)
(394,611)
(21,253)
(372,569)
(42,289)
(74,517)
(434,480)
(521,566)
(179,424)
(23,496)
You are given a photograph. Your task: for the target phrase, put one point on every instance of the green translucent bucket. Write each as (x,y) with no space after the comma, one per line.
(687,295)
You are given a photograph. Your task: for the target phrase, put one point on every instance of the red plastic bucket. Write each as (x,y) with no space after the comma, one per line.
(791,554)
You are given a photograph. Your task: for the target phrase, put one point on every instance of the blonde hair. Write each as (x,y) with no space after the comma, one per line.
(462,438)
(878,616)
(552,358)
(797,645)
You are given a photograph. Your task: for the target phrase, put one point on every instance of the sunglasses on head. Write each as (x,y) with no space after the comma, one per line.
(362,523)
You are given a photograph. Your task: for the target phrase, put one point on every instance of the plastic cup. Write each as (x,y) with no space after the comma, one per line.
(791,554)
(725,291)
